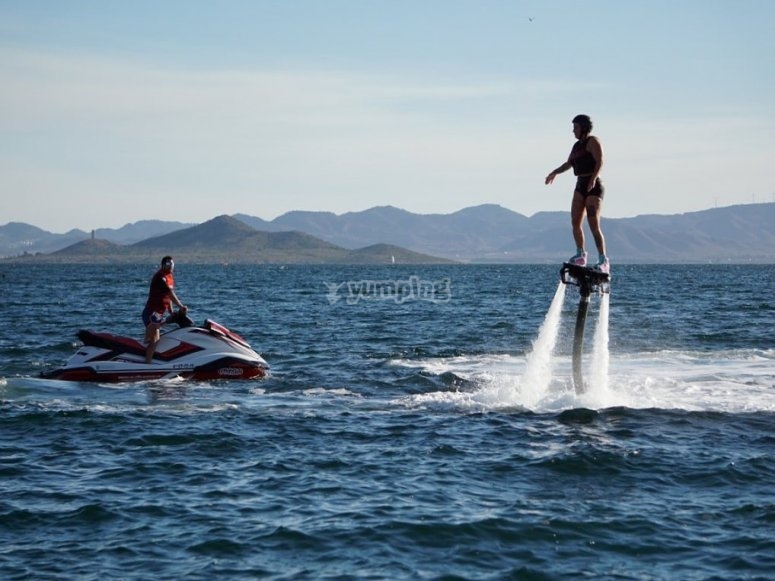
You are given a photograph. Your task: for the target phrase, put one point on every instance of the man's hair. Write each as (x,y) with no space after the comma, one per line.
(584,122)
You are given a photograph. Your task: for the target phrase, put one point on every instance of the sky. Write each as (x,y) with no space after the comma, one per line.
(113,112)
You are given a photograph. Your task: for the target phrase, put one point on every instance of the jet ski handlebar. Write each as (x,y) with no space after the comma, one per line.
(180,318)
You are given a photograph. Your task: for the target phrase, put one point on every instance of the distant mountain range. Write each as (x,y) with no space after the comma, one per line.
(225,239)
(486,233)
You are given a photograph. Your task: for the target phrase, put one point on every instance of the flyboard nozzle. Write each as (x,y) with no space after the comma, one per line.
(588,280)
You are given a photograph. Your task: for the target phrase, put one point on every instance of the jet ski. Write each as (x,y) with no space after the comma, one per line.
(201,353)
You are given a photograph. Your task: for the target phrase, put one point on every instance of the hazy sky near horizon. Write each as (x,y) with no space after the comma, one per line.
(113,112)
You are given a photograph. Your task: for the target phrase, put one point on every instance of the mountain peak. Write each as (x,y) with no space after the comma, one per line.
(91,246)
(218,232)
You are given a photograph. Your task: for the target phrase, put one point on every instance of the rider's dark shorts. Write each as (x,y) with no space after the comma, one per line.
(583,182)
(151,317)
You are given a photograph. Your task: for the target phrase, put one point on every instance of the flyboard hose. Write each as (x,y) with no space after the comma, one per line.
(588,281)
(578,342)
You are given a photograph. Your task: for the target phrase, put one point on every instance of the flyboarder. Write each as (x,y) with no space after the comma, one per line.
(586,159)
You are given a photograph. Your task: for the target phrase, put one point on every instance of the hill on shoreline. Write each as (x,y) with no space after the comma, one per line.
(225,239)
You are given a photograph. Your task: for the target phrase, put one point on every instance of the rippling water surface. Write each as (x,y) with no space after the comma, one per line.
(397,437)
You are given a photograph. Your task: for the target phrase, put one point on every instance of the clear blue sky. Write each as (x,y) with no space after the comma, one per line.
(113,111)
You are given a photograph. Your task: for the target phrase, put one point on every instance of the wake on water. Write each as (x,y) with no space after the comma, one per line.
(732,381)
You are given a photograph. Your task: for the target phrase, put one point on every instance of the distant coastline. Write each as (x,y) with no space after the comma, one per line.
(481,234)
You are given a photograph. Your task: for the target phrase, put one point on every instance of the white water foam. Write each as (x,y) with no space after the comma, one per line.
(734,381)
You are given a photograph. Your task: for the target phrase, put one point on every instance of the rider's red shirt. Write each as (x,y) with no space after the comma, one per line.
(159,293)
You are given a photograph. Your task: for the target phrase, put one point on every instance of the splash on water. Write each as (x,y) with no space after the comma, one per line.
(540,381)
(540,387)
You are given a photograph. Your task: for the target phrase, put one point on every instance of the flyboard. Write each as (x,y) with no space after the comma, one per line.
(589,280)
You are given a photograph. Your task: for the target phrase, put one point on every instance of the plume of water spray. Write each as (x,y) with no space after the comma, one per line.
(599,371)
(538,372)
(598,394)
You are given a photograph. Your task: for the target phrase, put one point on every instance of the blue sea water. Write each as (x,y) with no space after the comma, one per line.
(423,435)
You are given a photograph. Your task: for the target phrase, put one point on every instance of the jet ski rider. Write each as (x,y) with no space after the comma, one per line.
(161,295)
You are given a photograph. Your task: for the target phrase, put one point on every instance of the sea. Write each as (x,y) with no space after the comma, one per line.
(419,422)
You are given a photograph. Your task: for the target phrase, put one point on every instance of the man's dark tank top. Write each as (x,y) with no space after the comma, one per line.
(582,161)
